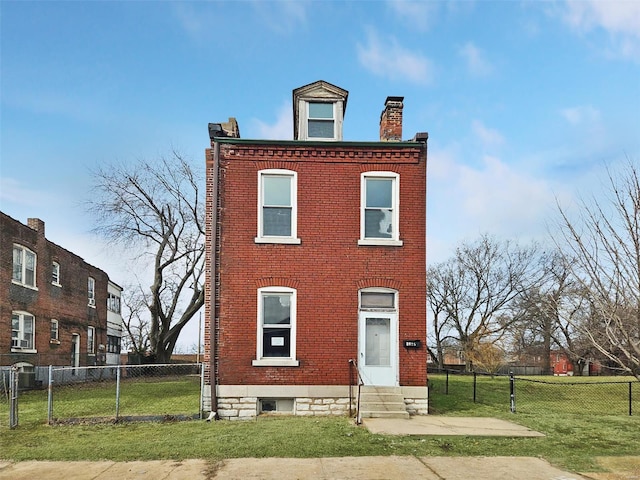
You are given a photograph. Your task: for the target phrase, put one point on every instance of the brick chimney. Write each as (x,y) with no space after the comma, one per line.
(36,224)
(391,120)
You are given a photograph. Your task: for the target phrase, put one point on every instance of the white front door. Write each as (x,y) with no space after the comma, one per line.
(377,345)
(75,352)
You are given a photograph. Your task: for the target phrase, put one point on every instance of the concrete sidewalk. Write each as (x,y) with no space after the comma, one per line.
(345,468)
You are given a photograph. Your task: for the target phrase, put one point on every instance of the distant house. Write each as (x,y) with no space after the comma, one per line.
(315,268)
(55,309)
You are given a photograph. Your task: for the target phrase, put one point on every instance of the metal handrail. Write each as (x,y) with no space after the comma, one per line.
(354,364)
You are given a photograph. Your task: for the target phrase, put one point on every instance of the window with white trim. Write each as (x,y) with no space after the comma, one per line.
(379,209)
(91,291)
(55,273)
(23,331)
(113,303)
(276,336)
(91,340)
(321,120)
(54,331)
(277,206)
(24,266)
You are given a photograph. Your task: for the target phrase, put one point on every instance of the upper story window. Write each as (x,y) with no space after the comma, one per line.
(24,266)
(321,120)
(23,331)
(318,111)
(55,273)
(113,303)
(277,207)
(276,345)
(379,209)
(91,291)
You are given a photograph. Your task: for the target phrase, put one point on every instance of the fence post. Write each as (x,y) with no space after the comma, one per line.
(50,396)
(446,385)
(118,391)
(630,400)
(475,387)
(512,389)
(13,397)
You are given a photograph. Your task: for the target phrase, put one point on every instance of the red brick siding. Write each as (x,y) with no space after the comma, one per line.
(67,304)
(328,267)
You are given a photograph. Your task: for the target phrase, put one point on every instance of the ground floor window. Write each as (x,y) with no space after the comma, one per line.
(276,334)
(22,331)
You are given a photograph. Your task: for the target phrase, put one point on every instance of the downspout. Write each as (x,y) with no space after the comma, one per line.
(214,284)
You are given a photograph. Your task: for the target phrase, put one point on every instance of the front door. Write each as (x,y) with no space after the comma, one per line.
(378,340)
(75,352)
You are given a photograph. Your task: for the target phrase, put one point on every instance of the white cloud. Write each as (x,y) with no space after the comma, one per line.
(619,18)
(584,114)
(477,64)
(282,129)
(419,15)
(387,58)
(16,192)
(489,137)
(495,198)
(282,17)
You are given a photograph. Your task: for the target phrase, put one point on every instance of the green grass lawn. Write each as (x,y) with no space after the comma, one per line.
(572,439)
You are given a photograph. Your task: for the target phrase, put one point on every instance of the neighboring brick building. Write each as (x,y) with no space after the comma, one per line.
(55,309)
(316,254)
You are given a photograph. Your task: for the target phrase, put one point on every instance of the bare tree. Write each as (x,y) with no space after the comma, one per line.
(154,208)
(136,324)
(604,239)
(477,289)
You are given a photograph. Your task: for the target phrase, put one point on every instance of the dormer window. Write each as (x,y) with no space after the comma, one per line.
(321,120)
(318,111)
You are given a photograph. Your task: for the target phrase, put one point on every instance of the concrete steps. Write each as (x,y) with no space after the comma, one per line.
(382,402)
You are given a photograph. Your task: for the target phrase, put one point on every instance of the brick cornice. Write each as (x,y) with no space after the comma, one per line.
(330,153)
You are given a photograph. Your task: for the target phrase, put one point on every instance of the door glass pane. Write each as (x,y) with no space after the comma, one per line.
(377,337)
(376,300)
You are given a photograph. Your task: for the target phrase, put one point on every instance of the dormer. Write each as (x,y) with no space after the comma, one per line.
(318,111)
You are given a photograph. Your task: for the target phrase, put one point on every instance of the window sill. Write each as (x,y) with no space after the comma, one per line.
(54,342)
(285,240)
(275,362)
(23,350)
(380,242)
(56,284)
(30,287)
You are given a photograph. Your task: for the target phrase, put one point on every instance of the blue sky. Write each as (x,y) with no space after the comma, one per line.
(525,102)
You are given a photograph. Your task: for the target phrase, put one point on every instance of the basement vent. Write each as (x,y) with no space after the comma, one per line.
(276,405)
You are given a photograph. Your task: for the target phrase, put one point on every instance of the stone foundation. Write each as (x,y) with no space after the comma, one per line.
(241,402)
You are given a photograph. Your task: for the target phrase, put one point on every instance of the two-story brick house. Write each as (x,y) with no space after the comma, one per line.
(55,309)
(316,254)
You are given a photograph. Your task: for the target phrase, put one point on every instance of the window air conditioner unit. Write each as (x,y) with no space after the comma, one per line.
(92,301)
(24,343)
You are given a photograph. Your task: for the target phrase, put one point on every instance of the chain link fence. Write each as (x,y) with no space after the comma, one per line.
(111,394)
(546,394)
